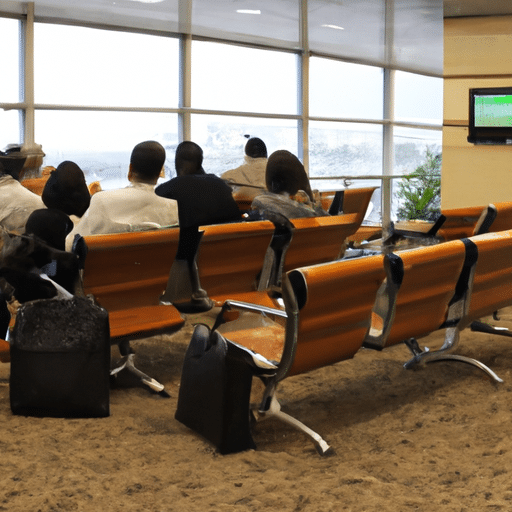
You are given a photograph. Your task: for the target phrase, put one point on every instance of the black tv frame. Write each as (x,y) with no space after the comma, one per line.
(499,135)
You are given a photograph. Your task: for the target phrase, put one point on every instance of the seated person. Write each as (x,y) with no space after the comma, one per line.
(16,201)
(66,190)
(202,198)
(251,172)
(50,225)
(289,192)
(135,207)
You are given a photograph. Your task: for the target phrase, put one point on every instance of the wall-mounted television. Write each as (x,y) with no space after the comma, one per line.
(490,115)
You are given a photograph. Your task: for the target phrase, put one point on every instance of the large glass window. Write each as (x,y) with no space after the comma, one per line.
(234,78)
(9,128)
(101,142)
(343,89)
(412,148)
(223,138)
(344,149)
(10,73)
(84,66)
(418,98)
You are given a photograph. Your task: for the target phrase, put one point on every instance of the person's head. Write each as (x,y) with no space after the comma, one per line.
(188,159)
(49,225)
(286,174)
(146,162)
(255,148)
(66,190)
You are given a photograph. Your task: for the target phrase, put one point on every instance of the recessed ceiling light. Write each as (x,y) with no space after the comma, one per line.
(248,11)
(333,26)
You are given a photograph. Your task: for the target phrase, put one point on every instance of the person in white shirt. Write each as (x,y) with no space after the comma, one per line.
(251,172)
(135,207)
(16,201)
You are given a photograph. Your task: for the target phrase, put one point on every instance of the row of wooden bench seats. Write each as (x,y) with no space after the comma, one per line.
(457,223)
(334,309)
(128,273)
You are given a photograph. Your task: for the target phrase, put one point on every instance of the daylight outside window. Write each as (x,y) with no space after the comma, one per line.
(344,149)
(238,79)
(418,98)
(345,90)
(101,142)
(85,66)
(223,138)
(10,75)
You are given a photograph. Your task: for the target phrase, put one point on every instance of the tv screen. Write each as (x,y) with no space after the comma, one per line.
(490,115)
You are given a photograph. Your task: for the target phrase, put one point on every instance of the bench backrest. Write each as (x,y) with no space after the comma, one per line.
(430,277)
(492,281)
(129,270)
(460,222)
(318,239)
(327,312)
(231,256)
(334,303)
(503,220)
(356,200)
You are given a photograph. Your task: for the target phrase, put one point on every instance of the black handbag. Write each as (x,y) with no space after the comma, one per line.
(60,359)
(215,392)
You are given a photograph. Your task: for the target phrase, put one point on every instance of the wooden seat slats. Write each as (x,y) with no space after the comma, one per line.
(318,239)
(430,277)
(337,311)
(126,273)
(492,282)
(230,259)
(333,309)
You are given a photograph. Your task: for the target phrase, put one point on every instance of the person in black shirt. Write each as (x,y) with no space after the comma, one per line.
(202,198)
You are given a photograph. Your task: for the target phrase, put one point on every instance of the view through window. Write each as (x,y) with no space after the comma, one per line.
(103,91)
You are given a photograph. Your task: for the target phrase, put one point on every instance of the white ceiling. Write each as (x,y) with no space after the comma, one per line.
(416,29)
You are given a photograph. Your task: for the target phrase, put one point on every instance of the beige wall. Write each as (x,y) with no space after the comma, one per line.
(477,53)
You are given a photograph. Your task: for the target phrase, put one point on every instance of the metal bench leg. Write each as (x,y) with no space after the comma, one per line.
(275,410)
(478,326)
(422,357)
(126,363)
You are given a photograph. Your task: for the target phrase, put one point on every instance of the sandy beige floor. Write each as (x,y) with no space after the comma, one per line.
(434,439)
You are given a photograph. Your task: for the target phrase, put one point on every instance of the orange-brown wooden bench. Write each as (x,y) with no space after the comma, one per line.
(126,273)
(228,264)
(312,240)
(327,312)
(331,310)
(451,285)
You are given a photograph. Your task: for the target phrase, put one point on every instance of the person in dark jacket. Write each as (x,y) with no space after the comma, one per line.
(202,198)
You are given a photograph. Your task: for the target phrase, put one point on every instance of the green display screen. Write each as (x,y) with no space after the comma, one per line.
(493,111)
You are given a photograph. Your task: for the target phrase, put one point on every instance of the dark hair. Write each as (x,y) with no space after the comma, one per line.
(147,159)
(188,158)
(66,190)
(49,225)
(255,148)
(285,173)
